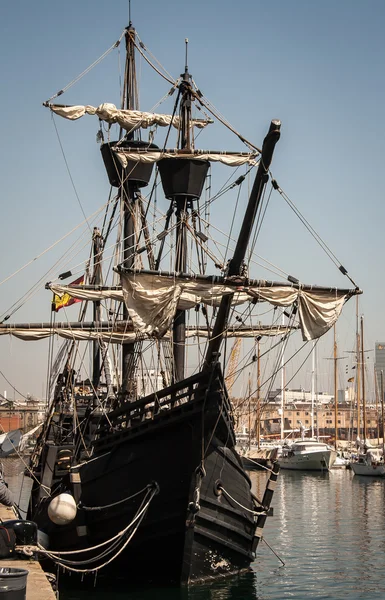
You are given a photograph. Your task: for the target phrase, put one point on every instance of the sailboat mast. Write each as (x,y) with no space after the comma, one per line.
(312,389)
(235,265)
(316,389)
(382,414)
(335,389)
(377,415)
(282,390)
(358,371)
(363,379)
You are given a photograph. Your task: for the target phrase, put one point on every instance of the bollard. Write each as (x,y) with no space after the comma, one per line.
(13,583)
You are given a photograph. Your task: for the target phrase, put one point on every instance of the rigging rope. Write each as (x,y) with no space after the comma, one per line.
(69,172)
(87,70)
(53,245)
(313,232)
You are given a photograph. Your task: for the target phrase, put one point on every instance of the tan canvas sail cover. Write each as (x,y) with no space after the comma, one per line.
(152,301)
(231,160)
(34,334)
(127,119)
(81,335)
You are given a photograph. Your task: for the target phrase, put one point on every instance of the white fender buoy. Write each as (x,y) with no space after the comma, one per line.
(62,509)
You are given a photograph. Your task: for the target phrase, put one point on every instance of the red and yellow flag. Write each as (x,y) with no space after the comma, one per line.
(65,300)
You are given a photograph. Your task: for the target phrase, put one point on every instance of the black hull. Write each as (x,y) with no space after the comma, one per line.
(192,532)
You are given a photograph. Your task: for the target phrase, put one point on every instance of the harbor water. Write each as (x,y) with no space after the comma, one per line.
(328,528)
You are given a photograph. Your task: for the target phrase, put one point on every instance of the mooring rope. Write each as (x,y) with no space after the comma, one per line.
(56,555)
(148,487)
(253,512)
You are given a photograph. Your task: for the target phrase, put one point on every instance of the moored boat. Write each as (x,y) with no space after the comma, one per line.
(307,455)
(369,463)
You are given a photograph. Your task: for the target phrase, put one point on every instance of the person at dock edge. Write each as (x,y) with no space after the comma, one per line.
(5,494)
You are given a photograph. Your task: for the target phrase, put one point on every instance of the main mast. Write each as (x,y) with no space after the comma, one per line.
(182,181)
(179,326)
(127,192)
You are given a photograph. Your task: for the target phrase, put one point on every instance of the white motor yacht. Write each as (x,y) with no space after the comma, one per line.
(307,455)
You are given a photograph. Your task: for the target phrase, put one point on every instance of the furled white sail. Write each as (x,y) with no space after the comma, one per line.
(243,332)
(187,299)
(152,300)
(231,160)
(34,334)
(82,335)
(127,119)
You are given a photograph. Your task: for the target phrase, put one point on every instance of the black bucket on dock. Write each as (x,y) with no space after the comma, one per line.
(13,583)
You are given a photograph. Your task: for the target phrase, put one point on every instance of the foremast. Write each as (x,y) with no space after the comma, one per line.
(236,262)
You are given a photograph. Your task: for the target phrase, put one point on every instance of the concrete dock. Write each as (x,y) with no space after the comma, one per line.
(38,586)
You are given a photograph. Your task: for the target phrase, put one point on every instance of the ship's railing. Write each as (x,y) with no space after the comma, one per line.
(194,388)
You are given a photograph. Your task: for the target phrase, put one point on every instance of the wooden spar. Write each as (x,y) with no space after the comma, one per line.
(97,279)
(249,411)
(258,395)
(75,325)
(127,327)
(363,379)
(266,501)
(217,280)
(235,265)
(335,390)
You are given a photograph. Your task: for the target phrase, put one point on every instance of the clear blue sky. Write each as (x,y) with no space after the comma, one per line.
(318,66)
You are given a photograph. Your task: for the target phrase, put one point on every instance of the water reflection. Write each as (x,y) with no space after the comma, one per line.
(330,531)
(236,588)
(328,528)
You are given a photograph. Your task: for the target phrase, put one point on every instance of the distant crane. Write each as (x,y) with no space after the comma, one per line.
(233,364)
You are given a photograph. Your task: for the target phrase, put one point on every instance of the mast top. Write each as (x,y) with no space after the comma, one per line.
(186,73)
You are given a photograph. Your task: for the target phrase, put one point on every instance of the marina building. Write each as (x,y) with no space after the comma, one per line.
(379,361)
(22,414)
(298,412)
